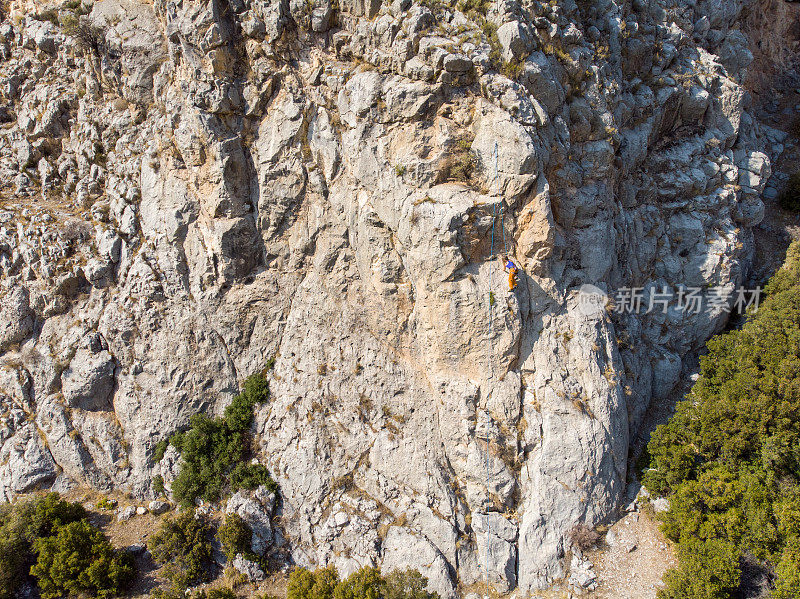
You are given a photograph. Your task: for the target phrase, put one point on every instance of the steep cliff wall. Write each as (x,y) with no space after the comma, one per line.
(190,188)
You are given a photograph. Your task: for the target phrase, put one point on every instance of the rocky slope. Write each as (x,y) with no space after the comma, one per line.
(190,188)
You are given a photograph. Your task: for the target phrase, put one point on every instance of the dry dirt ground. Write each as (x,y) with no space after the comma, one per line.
(633,567)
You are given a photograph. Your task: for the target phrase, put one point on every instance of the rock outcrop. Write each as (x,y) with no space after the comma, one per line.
(190,188)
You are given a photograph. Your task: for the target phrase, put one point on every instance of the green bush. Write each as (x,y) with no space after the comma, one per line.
(160,450)
(14,551)
(790,196)
(366,583)
(105,504)
(708,570)
(182,544)
(79,560)
(304,584)
(20,526)
(220,593)
(214,451)
(50,513)
(235,536)
(252,476)
(158,485)
(788,573)
(729,459)
(475,8)
(406,584)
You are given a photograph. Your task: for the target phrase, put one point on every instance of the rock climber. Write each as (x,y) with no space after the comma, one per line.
(512,270)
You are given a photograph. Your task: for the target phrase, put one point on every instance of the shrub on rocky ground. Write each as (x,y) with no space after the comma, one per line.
(708,570)
(183,545)
(79,561)
(366,583)
(406,584)
(584,537)
(220,593)
(49,541)
(234,535)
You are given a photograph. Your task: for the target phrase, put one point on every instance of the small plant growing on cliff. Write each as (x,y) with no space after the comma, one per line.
(214,451)
(511,69)
(160,450)
(475,8)
(234,535)
(460,164)
(158,485)
(88,37)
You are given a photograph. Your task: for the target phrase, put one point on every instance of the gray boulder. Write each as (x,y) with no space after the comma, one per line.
(16,317)
(88,381)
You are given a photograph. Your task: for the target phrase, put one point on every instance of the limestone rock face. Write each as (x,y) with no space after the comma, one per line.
(189,189)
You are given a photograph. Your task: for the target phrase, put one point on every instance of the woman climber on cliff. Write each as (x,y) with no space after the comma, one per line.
(513,273)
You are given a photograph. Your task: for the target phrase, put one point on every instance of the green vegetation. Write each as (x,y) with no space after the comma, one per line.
(51,540)
(461,163)
(47,15)
(729,459)
(474,8)
(158,485)
(320,584)
(160,450)
(105,504)
(512,69)
(707,570)
(790,196)
(221,593)
(182,544)
(366,583)
(79,560)
(406,584)
(215,451)
(235,536)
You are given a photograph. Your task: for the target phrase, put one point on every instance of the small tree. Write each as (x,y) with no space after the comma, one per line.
(20,526)
(365,583)
(182,545)
(406,584)
(79,560)
(320,584)
(235,536)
